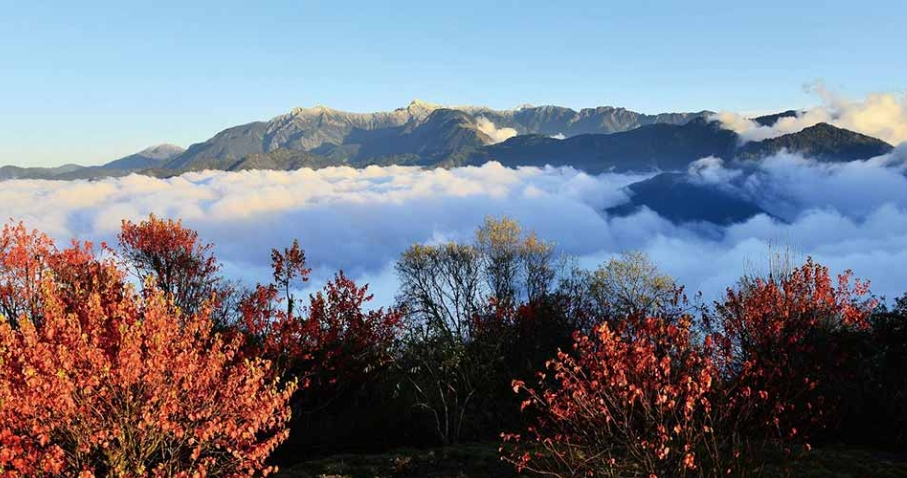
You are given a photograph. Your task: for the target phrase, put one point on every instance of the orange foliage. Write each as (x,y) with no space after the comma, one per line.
(97,380)
(334,341)
(24,257)
(173,258)
(777,342)
(633,398)
(659,397)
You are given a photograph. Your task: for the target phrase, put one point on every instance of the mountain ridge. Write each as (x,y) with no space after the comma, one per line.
(429,135)
(150,157)
(309,129)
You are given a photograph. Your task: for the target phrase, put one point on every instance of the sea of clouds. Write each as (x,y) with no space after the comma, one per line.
(850,215)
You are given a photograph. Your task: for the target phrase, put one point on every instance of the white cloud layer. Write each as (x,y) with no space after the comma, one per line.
(496,134)
(881,115)
(851,215)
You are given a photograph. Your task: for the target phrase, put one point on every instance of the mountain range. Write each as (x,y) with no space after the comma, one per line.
(147,159)
(591,139)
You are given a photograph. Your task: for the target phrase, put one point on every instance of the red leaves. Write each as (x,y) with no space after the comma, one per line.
(774,341)
(289,265)
(24,258)
(655,395)
(333,344)
(346,340)
(630,396)
(173,259)
(96,379)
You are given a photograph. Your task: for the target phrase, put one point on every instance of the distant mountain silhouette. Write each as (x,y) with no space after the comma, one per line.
(678,198)
(594,140)
(421,133)
(769,120)
(654,147)
(154,156)
(823,142)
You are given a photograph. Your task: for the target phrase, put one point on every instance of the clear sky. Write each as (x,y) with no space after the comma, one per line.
(88,82)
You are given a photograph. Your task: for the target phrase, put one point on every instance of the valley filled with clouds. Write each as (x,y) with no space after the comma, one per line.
(453,239)
(846,215)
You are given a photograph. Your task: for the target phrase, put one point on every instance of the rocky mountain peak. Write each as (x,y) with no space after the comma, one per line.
(161,151)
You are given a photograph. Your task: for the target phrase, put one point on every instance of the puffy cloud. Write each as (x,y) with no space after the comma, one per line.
(787,185)
(496,134)
(881,115)
(355,220)
(711,170)
(846,215)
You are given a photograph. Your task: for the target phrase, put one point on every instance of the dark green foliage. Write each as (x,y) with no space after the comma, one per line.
(480,460)
(875,411)
(473,460)
(769,120)
(658,146)
(823,142)
(284,159)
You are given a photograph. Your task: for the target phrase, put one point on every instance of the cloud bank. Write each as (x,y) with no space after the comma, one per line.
(496,134)
(882,115)
(847,216)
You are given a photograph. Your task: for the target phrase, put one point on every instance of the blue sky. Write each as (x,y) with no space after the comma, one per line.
(88,82)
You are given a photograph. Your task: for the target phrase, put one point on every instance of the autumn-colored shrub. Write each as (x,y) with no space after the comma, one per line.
(174,259)
(267,314)
(24,260)
(331,339)
(779,343)
(333,345)
(633,399)
(671,396)
(102,381)
(348,344)
(630,284)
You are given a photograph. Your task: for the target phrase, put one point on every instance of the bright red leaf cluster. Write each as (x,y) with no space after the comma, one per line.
(632,400)
(333,343)
(98,380)
(669,397)
(173,258)
(776,341)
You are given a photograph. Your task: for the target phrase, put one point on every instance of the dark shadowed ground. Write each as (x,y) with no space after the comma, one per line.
(481,461)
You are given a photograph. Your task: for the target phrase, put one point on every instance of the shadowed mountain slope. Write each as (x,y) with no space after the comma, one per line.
(681,199)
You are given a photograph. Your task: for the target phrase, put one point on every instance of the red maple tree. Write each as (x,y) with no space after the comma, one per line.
(98,380)
(777,342)
(333,342)
(632,399)
(174,259)
(673,397)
